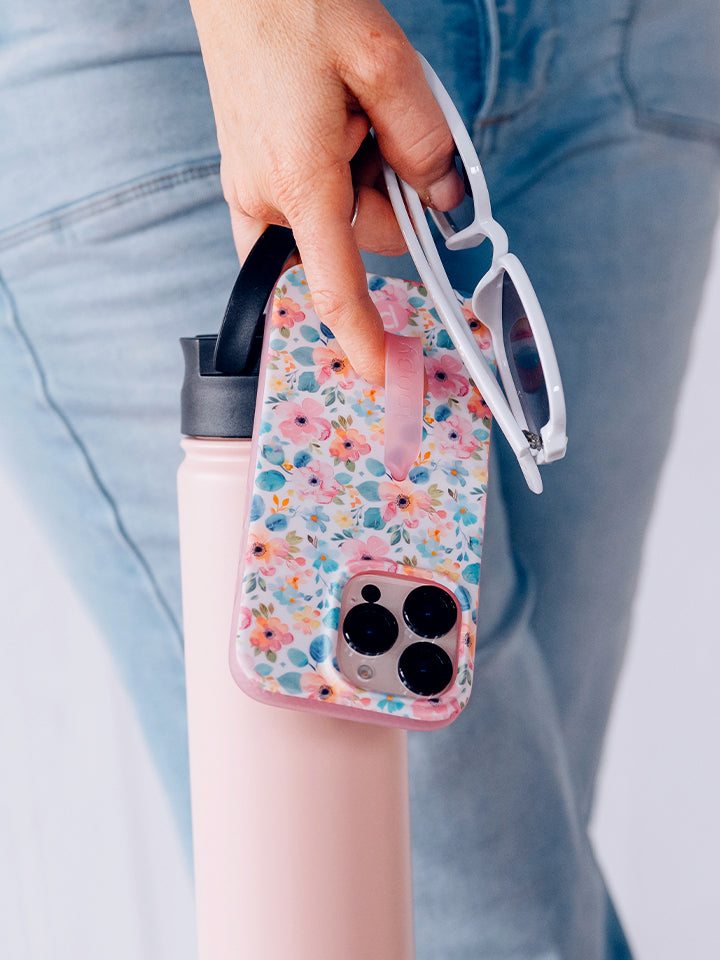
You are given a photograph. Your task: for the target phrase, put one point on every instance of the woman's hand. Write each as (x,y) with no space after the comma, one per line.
(296,85)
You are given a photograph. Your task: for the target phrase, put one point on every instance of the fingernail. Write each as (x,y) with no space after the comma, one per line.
(448,192)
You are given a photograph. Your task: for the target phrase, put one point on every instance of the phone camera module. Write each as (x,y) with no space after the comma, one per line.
(370,629)
(425,669)
(430,612)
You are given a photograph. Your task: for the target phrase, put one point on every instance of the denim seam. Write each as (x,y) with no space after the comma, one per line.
(58,220)
(659,121)
(85,454)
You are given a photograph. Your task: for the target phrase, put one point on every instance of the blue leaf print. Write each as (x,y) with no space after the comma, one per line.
(416,302)
(310,333)
(276,521)
(307,382)
(303,355)
(264,669)
(419,475)
(270,480)
(376,468)
(320,649)
(472,573)
(274,453)
(297,657)
(326,332)
(463,597)
(444,340)
(343,478)
(390,705)
(475,544)
(290,682)
(332,618)
(376,283)
(368,490)
(442,413)
(257,507)
(373,519)
(301,459)
(278,344)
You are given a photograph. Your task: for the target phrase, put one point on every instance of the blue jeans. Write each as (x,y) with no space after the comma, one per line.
(115,241)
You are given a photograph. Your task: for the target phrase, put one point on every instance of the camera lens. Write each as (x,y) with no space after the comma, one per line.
(370,629)
(425,669)
(430,612)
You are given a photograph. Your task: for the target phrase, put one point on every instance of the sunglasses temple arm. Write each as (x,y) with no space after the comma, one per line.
(464,341)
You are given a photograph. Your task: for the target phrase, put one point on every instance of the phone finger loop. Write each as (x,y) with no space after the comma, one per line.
(404,403)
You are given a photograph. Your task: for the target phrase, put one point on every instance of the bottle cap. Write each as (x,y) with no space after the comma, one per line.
(214,404)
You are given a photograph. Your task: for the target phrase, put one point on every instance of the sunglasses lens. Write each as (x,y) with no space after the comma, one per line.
(463,215)
(524,358)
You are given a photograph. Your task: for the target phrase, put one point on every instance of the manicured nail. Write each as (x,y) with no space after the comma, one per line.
(448,192)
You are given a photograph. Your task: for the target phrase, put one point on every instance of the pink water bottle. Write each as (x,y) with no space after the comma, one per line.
(300,822)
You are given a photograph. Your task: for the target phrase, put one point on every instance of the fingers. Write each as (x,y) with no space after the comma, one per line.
(411,129)
(336,275)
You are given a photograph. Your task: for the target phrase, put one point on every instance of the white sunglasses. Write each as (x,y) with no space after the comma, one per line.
(531,410)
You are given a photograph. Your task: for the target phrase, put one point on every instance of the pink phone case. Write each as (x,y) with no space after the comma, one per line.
(326,506)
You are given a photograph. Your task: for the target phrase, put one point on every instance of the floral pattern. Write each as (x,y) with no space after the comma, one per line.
(325,508)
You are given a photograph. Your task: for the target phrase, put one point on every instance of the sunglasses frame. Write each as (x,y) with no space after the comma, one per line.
(530,449)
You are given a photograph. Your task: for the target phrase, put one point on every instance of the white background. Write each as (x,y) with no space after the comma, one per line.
(91,869)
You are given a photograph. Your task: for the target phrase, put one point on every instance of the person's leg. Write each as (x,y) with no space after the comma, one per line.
(613,217)
(114,242)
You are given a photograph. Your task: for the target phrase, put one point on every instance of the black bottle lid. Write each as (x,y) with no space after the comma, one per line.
(221,371)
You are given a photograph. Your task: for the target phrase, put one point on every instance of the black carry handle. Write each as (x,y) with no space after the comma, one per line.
(239,342)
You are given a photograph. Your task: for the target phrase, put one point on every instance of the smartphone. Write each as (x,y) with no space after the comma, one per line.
(357,592)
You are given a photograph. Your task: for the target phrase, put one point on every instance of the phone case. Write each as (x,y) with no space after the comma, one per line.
(325,509)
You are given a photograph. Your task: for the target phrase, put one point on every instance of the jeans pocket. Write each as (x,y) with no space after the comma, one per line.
(121,209)
(671,67)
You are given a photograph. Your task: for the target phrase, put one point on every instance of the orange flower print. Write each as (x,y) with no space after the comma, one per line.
(286,313)
(480,331)
(267,552)
(270,634)
(405,499)
(476,404)
(316,687)
(333,363)
(349,445)
(307,620)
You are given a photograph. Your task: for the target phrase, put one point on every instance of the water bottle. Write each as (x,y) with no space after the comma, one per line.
(300,822)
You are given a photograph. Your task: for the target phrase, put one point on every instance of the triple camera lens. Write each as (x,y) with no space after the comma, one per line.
(430,612)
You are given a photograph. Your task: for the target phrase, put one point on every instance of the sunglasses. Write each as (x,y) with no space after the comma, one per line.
(527,402)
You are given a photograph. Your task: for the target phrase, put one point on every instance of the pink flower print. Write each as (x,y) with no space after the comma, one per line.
(374,548)
(435,710)
(244,618)
(349,445)
(480,331)
(286,313)
(316,687)
(333,363)
(445,377)
(270,634)
(303,420)
(405,498)
(307,620)
(316,480)
(456,436)
(394,312)
(266,551)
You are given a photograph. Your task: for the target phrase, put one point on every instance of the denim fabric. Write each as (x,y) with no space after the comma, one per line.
(115,241)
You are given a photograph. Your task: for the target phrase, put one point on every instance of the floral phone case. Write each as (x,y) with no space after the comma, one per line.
(323,508)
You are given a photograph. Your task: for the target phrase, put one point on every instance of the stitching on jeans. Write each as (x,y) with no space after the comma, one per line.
(660,121)
(104,492)
(134,191)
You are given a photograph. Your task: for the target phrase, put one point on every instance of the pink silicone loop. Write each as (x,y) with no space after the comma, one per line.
(404,403)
